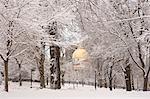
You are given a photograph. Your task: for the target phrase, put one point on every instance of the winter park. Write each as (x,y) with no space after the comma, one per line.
(75,49)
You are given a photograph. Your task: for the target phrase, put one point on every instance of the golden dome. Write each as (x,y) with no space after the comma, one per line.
(80,54)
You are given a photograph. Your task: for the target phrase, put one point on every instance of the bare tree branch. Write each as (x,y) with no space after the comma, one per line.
(2,57)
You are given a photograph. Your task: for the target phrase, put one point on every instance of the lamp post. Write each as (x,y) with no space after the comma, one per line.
(32,70)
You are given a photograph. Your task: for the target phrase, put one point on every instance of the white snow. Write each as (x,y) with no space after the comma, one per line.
(67,92)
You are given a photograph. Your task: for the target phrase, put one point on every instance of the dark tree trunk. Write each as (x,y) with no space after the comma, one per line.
(145,83)
(20,78)
(95,80)
(115,83)
(46,80)
(58,73)
(41,70)
(52,75)
(52,68)
(110,79)
(62,78)
(55,81)
(41,65)
(146,80)
(100,83)
(42,79)
(128,78)
(105,83)
(110,85)
(99,70)
(6,74)
(132,83)
(63,82)
(31,77)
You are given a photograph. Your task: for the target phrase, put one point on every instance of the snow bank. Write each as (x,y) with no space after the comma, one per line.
(68,91)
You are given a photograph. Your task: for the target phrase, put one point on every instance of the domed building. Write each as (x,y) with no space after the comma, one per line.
(80,54)
(79,57)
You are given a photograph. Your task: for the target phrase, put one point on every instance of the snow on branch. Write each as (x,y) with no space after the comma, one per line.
(128,19)
(19,53)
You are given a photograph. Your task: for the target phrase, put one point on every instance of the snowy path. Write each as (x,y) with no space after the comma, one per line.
(86,92)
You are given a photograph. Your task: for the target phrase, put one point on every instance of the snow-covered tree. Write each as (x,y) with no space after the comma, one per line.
(116,26)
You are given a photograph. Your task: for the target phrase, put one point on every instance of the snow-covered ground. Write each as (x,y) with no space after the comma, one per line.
(86,92)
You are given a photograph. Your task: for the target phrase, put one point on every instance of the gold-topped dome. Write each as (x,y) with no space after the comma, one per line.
(80,54)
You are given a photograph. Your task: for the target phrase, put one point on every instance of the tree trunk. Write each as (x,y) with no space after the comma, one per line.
(128,78)
(146,80)
(42,78)
(105,83)
(20,78)
(110,84)
(132,83)
(52,76)
(6,74)
(41,65)
(100,83)
(95,80)
(110,78)
(55,81)
(47,81)
(41,70)
(58,81)
(145,83)
(115,83)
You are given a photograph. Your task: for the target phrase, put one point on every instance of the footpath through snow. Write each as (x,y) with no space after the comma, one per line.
(86,92)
